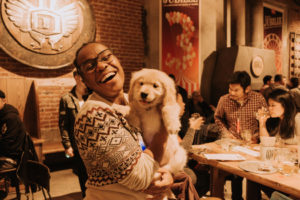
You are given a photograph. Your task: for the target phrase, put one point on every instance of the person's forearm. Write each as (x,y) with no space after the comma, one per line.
(142,173)
(220,123)
(188,139)
(226,133)
(263,129)
(65,139)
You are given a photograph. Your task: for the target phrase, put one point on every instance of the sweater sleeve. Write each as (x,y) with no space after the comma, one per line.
(111,151)
(142,173)
(188,139)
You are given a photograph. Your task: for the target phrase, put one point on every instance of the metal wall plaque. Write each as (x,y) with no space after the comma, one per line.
(45,33)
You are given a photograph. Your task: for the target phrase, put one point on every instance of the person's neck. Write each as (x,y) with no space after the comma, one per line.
(79,92)
(242,100)
(119,99)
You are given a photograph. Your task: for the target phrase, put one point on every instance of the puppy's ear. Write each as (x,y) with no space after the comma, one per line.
(170,91)
(170,107)
(133,79)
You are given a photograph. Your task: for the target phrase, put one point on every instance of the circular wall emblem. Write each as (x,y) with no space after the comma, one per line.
(257,66)
(45,33)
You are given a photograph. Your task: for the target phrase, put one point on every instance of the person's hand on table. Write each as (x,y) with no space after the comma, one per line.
(160,184)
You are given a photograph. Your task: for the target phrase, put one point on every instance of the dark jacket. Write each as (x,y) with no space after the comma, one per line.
(12,133)
(68,109)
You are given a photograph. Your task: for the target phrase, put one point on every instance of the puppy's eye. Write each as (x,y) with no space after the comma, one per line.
(141,83)
(155,85)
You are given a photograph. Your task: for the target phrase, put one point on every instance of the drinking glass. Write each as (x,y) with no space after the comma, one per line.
(267,148)
(286,161)
(246,136)
(195,115)
(263,112)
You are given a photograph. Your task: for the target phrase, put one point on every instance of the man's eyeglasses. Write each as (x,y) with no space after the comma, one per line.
(104,57)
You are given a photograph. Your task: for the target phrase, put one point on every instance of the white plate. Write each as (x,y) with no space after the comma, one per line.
(255,167)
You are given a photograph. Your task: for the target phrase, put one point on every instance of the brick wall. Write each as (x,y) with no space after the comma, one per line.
(118,25)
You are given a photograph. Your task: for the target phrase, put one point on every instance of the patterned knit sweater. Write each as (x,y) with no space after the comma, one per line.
(111,152)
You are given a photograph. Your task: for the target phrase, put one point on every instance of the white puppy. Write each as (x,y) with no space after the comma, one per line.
(154,109)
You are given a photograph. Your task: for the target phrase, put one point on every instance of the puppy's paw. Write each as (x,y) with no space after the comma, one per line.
(170,115)
(173,128)
(173,125)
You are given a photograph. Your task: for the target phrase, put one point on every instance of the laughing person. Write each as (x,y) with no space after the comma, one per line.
(117,166)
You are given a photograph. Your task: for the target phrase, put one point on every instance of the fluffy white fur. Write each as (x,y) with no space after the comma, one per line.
(153,107)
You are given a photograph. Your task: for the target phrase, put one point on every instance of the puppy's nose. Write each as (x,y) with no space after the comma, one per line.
(144,95)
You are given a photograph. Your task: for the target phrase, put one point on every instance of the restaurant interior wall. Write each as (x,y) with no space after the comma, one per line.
(215,33)
(118,25)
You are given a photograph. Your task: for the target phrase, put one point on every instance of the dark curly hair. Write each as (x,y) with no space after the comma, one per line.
(76,55)
(240,77)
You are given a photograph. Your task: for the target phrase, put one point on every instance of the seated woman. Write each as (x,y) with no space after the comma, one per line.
(283,122)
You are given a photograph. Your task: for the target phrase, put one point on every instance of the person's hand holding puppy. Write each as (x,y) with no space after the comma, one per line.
(160,184)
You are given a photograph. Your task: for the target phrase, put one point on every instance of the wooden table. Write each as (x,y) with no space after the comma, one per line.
(220,169)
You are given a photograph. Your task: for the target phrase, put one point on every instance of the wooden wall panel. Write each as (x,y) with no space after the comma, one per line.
(20,93)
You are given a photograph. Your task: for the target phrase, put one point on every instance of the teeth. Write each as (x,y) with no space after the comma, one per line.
(107,76)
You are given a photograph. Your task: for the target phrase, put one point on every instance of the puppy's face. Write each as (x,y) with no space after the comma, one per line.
(147,92)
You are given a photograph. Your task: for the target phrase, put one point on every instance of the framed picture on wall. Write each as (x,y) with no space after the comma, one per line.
(273,22)
(294,55)
(180,42)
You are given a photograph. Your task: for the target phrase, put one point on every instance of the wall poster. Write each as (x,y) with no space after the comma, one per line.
(180,42)
(273,34)
(294,55)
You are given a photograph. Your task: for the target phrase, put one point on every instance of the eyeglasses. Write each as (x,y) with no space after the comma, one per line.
(104,57)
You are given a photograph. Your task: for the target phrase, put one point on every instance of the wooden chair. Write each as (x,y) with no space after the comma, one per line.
(9,174)
(33,174)
(39,174)
(279,196)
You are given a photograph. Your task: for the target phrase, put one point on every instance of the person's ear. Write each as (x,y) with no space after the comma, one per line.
(248,89)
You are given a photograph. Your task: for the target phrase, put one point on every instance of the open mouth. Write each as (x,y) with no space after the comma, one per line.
(107,77)
(143,101)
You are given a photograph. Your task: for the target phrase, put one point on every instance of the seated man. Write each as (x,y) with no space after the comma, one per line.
(235,113)
(12,129)
(12,136)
